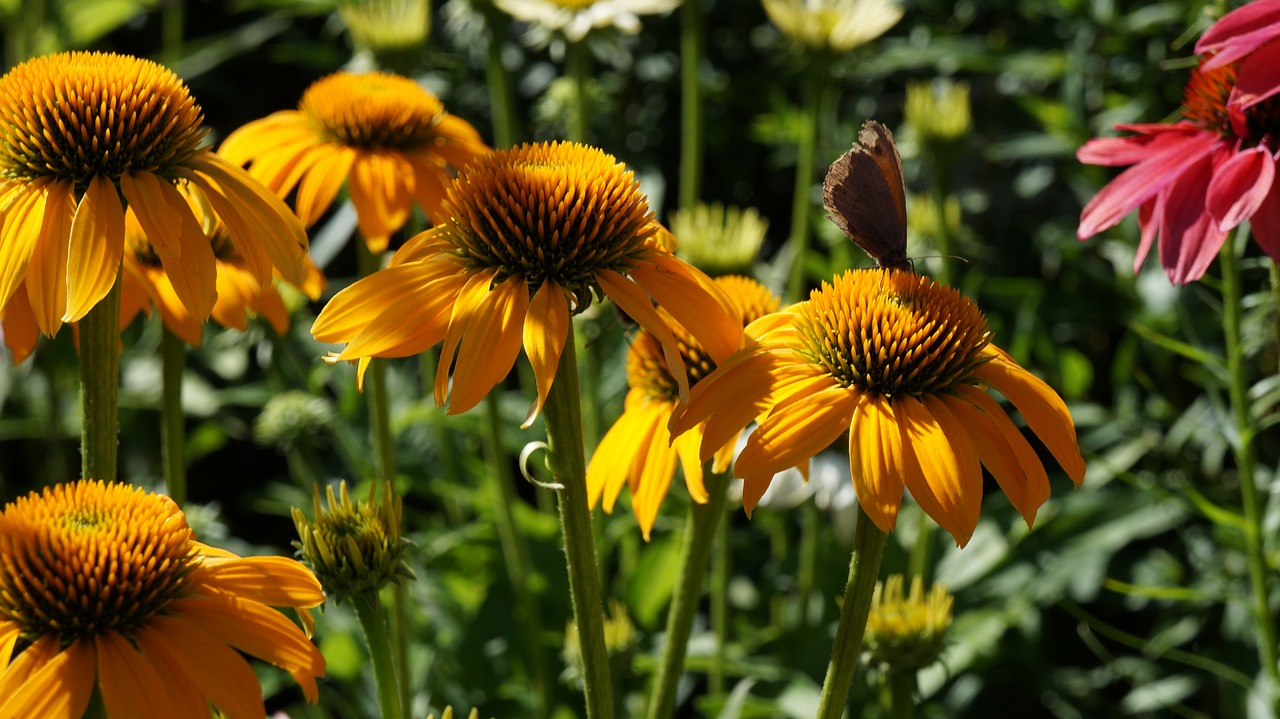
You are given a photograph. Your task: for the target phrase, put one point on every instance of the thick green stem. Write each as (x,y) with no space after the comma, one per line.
(100,388)
(369,610)
(720,562)
(815,83)
(691,52)
(173,428)
(563,416)
(515,554)
(699,536)
(864,568)
(1245,459)
(501,97)
(902,690)
(578,61)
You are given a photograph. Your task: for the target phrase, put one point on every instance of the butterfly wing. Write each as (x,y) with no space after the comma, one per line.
(866,197)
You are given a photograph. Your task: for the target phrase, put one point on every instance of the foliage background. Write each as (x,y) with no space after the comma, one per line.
(1128,597)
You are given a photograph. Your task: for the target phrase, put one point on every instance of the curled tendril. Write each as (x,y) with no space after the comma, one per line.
(525,453)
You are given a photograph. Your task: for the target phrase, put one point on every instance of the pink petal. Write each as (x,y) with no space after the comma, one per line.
(1149,220)
(1266,223)
(1240,32)
(1239,186)
(1130,150)
(1141,182)
(1189,238)
(1258,78)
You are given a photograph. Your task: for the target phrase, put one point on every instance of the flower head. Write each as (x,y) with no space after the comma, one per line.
(384,135)
(903,365)
(639,450)
(907,632)
(387,26)
(576,18)
(1249,34)
(80,130)
(354,548)
(1194,180)
(718,239)
(528,235)
(938,111)
(105,584)
(834,26)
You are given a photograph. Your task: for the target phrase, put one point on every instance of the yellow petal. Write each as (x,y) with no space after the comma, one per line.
(875,460)
(20,336)
(930,468)
(47,273)
(9,632)
(464,306)
(274,581)
(217,670)
(491,344)
(630,298)
(694,300)
(967,462)
(1044,410)
(1026,482)
(686,448)
(655,476)
(131,686)
(350,311)
(614,455)
(322,182)
(97,244)
(381,189)
(47,683)
(185,251)
(18,237)
(792,434)
(546,326)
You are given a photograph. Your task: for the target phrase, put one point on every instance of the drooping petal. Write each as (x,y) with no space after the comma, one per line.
(20,336)
(1132,149)
(686,448)
(630,298)
(1189,238)
(1004,451)
(1041,407)
(321,183)
(546,327)
(185,251)
(694,300)
(381,187)
(9,632)
(1149,215)
(47,273)
(962,447)
(617,452)
(1259,76)
(790,435)
(655,475)
(348,313)
(429,180)
(1265,223)
(491,345)
(97,244)
(1239,186)
(47,683)
(131,686)
(274,581)
(933,472)
(464,307)
(875,460)
(1239,32)
(1139,183)
(19,234)
(217,670)
(260,631)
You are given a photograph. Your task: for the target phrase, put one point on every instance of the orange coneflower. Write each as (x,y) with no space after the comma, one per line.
(528,235)
(638,450)
(80,130)
(384,135)
(105,585)
(903,365)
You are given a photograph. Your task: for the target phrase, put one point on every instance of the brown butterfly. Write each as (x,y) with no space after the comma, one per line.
(866,197)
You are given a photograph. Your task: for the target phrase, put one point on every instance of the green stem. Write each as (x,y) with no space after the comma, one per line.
(1245,459)
(815,83)
(864,568)
(691,52)
(578,61)
(100,387)
(400,626)
(515,554)
(563,416)
(699,536)
(1275,302)
(719,609)
(427,363)
(171,15)
(173,430)
(902,689)
(501,97)
(369,610)
(918,562)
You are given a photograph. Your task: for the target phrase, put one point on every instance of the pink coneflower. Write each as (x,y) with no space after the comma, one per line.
(1194,180)
(1249,32)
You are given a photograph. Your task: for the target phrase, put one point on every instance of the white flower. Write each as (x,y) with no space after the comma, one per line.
(575,18)
(835,25)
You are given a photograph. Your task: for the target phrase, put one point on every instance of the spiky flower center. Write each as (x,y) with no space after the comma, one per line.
(548,211)
(892,333)
(87,557)
(75,115)
(647,370)
(1205,101)
(374,110)
(353,547)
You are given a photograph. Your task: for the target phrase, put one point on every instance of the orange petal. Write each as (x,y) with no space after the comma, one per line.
(686,448)
(9,632)
(47,683)
(491,344)
(630,298)
(791,435)
(20,333)
(429,180)
(1044,410)
(875,460)
(47,273)
(546,326)
(322,182)
(464,305)
(217,670)
(19,234)
(1026,482)
(97,244)
(185,251)
(133,687)
(967,461)
(274,581)
(616,453)
(656,473)
(349,312)
(381,188)
(931,470)
(694,300)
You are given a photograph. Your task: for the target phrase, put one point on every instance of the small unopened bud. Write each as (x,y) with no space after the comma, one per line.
(907,633)
(353,547)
